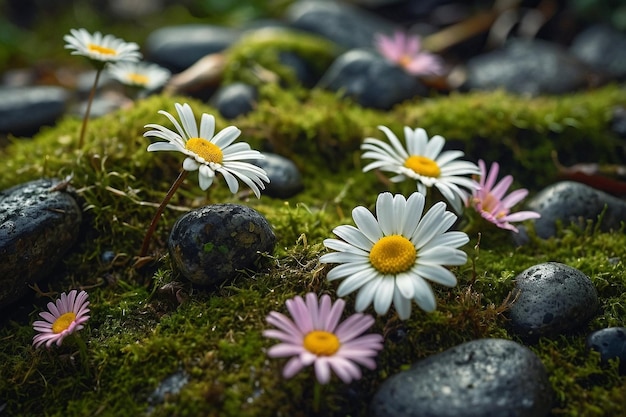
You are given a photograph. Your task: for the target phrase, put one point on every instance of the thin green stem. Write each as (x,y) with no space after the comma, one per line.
(92,94)
(82,350)
(317,396)
(157,215)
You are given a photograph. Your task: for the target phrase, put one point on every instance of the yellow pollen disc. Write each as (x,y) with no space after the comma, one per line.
(423,166)
(393,254)
(321,343)
(63,322)
(205,149)
(489,202)
(404,61)
(138,79)
(101,49)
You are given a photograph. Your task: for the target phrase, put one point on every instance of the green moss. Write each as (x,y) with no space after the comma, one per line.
(148,324)
(256,58)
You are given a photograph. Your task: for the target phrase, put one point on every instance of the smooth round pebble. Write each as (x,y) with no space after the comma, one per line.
(38,225)
(551,299)
(235,99)
(284,175)
(24,110)
(210,244)
(526,66)
(370,80)
(573,202)
(611,343)
(484,377)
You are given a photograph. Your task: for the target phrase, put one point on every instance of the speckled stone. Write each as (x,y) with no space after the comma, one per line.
(611,344)
(210,244)
(603,48)
(284,175)
(37,227)
(552,298)
(484,377)
(574,202)
(370,80)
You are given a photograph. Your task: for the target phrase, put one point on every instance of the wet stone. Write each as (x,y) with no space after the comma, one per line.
(484,377)
(37,227)
(611,344)
(346,25)
(209,245)
(370,80)
(284,175)
(573,202)
(172,385)
(235,99)
(551,299)
(603,48)
(179,47)
(24,110)
(530,67)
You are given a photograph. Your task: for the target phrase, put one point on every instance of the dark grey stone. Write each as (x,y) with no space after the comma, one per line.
(37,228)
(551,299)
(235,99)
(210,244)
(611,344)
(346,25)
(370,80)
(573,202)
(284,175)
(529,67)
(178,47)
(603,48)
(481,378)
(24,110)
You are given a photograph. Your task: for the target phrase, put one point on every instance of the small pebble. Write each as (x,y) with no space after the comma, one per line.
(235,99)
(530,67)
(211,244)
(24,110)
(37,227)
(370,80)
(611,343)
(551,299)
(179,47)
(484,377)
(284,175)
(574,202)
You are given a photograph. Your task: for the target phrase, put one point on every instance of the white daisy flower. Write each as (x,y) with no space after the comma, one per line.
(423,161)
(390,259)
(101,48)
(140,74)
(207,153)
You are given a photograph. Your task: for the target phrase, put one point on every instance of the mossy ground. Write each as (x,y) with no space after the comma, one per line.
(147,324)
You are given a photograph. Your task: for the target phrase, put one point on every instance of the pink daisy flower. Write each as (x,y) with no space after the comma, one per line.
(315,337)
(490,202)
(65,317)
(406,51)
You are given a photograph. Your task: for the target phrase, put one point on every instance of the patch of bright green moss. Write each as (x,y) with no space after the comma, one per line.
(148,324)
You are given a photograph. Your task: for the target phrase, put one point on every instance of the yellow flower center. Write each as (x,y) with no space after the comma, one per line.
(101,49)
(423,166)
(321,343)
(205,149)
(393,254)
(404,60)
(138,79)
(63,322)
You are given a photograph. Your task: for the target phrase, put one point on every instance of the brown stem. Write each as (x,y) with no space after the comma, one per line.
(92,94)
(157,215)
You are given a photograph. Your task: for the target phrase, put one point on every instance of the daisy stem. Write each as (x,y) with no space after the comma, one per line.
(157,215)
(92,94)
(317,396)
(82,349)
